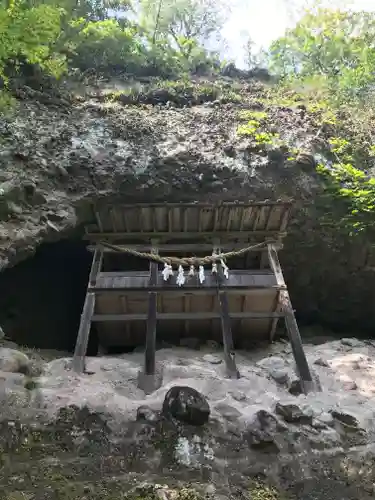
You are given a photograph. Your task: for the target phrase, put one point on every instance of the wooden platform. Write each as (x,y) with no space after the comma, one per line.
(187,311)
(130,307)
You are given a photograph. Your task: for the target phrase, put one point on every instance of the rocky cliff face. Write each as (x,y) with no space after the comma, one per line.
(60,152)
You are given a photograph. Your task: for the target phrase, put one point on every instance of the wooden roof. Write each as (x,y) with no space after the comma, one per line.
(182,220)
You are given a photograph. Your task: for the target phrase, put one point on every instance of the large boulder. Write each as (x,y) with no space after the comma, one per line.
(14,361)
(186,405)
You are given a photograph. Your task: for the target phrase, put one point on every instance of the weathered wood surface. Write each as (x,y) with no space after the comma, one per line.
(114,236)
(150,350)
(86,317)
(244,281)
(229,355)
(291,323)
(187,248)
(171,221)
(191,316)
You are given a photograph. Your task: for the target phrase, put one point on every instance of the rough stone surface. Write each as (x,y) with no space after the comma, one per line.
(14,361)
(103,425)
(213,359)
(58,155)
(186,405)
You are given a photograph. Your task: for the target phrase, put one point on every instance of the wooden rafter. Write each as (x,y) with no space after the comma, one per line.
(180,235)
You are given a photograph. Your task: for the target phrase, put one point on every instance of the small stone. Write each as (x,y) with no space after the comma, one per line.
(56,216)
(261,439)
(350,385)
(186,405)
(210,489)
(316,424)
(272,363)
(52,226)
(212,344)
(345,418)
(11,380)
(61,171)
(277,368)
(13,208)
(260,434)
(238,396)
(211,358)
(14,361)
(351,342)
(292,413)
(295,386)
(227,411)
(146,413)
(29,189)
(321,362)
(280,376)
(326,418)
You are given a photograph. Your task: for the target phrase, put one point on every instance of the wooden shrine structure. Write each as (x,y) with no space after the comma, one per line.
(126,305)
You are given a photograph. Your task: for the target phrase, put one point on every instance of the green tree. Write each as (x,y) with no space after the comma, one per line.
(27,33)
(338,45)
(188,26)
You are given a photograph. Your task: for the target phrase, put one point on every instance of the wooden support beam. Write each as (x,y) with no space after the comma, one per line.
(187,316)
(291,323)
(186,248)
(86,317)
(164,205)
(192,290)
(229,355)
(180,235)
(150,351)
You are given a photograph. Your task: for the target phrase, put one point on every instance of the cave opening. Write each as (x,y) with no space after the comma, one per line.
(41,298)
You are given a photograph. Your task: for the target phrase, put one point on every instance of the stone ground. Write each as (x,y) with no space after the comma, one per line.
(81,436)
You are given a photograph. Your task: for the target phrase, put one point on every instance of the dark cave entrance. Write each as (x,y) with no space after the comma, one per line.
(41,298)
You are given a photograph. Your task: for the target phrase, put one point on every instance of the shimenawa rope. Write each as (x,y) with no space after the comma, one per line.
(185,261)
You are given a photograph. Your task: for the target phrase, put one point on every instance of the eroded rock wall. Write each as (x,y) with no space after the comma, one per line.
(58,156)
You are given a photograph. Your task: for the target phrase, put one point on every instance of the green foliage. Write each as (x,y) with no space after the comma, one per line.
(28,33)
(7,103)
(183,28)
(255,116)
(256,127)
(327,63)
(106,44)
(332,47)
(55,36)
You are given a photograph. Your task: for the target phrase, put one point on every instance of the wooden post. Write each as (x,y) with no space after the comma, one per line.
(150,351)
(291,323)
(150,378)
(87,313)
(229,355)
